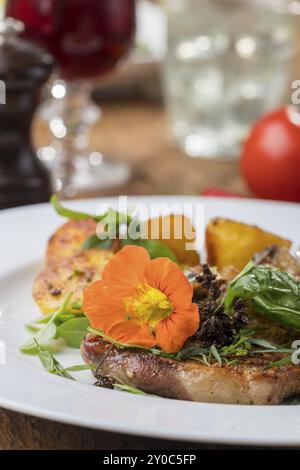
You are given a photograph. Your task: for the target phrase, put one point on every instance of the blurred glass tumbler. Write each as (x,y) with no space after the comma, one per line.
(227,64)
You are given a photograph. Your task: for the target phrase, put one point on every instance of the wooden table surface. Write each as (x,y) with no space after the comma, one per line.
(135,131)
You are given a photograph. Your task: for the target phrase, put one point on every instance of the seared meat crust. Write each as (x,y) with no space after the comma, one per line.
(245,383)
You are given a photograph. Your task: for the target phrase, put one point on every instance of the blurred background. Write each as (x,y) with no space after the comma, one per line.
(108,97)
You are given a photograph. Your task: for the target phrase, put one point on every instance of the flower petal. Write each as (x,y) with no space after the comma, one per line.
(125,271)
(103,309)
(165,275)
(104,300)
(172,333)
(129,332)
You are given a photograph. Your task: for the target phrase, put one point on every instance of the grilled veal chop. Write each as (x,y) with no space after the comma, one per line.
(69,268)
(247,382)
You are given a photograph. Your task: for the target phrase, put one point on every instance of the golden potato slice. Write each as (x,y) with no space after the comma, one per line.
(62,276)
(231,243)
(164,228)
(68,268)
(68,239)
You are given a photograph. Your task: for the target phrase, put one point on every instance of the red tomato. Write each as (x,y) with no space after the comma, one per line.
(270,160)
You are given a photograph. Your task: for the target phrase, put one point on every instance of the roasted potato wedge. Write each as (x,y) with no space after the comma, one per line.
(164,228)
(231,243)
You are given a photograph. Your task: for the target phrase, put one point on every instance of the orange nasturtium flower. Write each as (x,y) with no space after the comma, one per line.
(142,302)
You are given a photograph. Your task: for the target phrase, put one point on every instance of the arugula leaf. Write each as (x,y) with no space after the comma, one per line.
(272,293)
(73,331)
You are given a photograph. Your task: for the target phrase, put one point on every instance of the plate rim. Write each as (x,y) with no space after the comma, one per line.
(286,438)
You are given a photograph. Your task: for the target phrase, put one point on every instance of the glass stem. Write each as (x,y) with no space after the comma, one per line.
(77,169)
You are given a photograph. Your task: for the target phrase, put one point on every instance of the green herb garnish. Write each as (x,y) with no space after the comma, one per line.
(156,352)
(213,350)
(70,214)
(52,366)
(72,327)
(93,241)
(282,362)
(243,345)
(130,389)
(73,331)
(272,293)
(50,363)
(240,347)
(115,221)
(45,334)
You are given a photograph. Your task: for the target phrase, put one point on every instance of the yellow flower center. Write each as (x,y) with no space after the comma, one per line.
(148,306)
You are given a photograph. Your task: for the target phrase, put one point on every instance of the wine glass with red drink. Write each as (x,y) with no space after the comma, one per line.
(87,38)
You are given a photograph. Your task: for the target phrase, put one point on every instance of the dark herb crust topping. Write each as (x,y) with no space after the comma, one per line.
(216,327)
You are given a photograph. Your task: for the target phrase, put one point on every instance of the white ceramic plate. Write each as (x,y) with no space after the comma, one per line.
(25,387)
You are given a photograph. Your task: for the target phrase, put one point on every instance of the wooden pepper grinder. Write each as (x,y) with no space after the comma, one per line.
(24,68)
